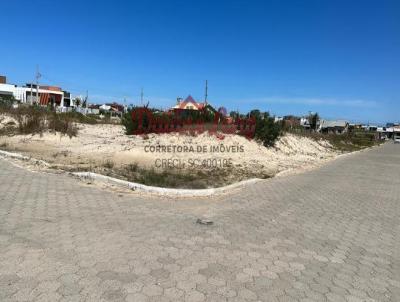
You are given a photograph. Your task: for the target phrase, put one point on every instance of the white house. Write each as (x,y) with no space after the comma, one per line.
(338,127)
(19,93)
(31,94)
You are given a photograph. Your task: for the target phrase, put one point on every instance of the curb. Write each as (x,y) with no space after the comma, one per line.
(164,191)
(23,157)
(140,187)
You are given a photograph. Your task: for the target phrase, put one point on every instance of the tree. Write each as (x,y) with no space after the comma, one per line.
(6,101)
(77,101)
(313,119)
(84,102)
(267,131)
(128,122)
(256,113)
(233,114)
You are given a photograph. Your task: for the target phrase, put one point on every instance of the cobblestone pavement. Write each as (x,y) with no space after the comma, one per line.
(332,234)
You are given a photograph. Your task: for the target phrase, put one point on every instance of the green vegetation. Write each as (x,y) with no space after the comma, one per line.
(109,164)
(346,142)
(313,119)
(128,123)
(173,178)
(267,131)
(62,124)
(78,117)
(36,120)
(206,116)
(165,178)
(169,179)
(6,101)
(352,141)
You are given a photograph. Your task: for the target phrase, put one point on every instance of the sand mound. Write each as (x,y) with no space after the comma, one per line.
(98,144)
(7,121)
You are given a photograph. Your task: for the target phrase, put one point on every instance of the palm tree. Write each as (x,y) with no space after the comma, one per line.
(77,102)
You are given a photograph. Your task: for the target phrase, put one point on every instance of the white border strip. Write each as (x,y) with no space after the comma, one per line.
(23,157)
(140,187)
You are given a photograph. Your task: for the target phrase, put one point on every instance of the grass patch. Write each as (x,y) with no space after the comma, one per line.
(63,125)
(36,120)
(108,164)
(182,179)
(346,142)
(165,178)
(353,142)
(78,117)
(172,178)
(175,178)
(169,179)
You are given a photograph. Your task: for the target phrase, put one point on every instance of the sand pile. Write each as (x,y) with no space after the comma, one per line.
(96,145)
(7,121)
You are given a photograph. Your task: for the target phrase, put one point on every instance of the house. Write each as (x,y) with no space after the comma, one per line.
(388,132)
(117,107)
(354,126)
(385,132)
(188,104)
(305,123)
(336,127)
(114,109)
(67,99)
(371,128)
(35,94)
(291,121)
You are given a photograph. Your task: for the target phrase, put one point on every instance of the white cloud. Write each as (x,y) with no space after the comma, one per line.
(154,101)
(310,101)
(93,98)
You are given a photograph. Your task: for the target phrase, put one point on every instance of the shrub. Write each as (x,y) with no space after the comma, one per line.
(62,124)
(6,102)
(128,123)
(30,120)
(169,179)
(109,164)
(346,142)
(267,131)
(313,119)
(78,117)
(36,120)
(132,167)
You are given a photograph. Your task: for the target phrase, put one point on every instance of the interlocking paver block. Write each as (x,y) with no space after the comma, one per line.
(331,234)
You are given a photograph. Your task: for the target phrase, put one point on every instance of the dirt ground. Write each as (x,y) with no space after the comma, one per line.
(104,148)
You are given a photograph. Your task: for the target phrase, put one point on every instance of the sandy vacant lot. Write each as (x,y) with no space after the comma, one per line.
(104,145)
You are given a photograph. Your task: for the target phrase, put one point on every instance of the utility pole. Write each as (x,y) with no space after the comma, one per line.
(141,97)
(38,75)
(205,98)
(31,93)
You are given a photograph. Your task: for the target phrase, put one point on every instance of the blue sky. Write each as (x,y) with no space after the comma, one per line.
(339,58)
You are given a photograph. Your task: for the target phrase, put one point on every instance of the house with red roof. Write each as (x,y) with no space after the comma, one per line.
(189,104)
